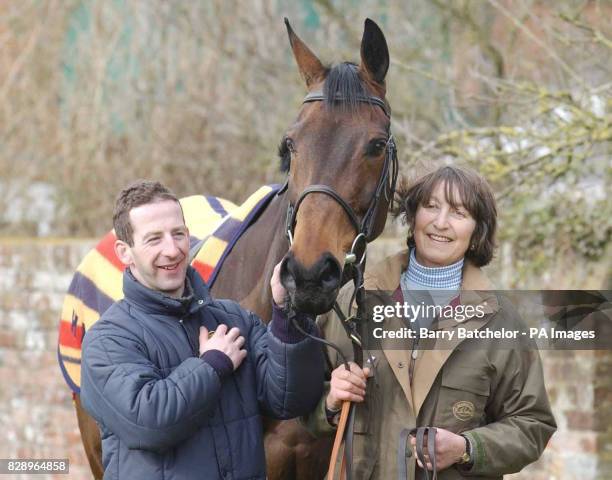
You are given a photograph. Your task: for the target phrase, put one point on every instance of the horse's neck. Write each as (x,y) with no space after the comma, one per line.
(246,272)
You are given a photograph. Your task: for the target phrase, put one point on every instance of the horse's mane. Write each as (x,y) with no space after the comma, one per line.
(343,81)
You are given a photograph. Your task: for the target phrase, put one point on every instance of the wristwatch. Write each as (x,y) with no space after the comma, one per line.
(331,416)
(467,455)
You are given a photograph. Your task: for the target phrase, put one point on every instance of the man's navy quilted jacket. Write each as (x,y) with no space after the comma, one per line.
(166,413)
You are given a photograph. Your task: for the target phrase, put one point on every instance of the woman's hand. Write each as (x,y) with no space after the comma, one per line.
(347,385)
(450,447)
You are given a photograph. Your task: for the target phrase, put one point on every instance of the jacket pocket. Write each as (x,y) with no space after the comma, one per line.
(462,399)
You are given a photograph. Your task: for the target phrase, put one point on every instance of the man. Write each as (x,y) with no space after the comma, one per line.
(176,380)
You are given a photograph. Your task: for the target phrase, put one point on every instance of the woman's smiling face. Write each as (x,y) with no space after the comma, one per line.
(442,233)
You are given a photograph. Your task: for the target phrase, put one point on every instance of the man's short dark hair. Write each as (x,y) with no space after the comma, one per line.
(476,196)
(138,193)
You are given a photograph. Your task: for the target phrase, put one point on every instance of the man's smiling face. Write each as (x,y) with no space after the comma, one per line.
(159,256)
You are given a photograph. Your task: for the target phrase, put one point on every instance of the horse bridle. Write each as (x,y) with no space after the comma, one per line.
(370,226)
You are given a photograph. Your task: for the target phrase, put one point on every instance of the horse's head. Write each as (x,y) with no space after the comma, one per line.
(339,155)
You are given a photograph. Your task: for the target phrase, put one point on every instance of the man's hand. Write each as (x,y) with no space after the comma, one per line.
(229,343)
(449,449)
(347,385)
(278,291)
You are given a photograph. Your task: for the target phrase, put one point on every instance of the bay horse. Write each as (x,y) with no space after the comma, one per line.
(340,161)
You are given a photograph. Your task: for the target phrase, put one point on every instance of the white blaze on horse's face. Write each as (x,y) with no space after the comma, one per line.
(159,256)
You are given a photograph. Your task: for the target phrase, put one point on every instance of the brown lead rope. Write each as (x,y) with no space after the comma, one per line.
(344,414)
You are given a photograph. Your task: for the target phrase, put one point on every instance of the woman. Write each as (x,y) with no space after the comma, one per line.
(488,403)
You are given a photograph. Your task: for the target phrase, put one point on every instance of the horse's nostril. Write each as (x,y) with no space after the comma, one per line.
(287,276)
(327,274)
(330,273)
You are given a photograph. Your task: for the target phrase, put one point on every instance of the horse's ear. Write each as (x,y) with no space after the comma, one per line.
(310,66)
(374,52)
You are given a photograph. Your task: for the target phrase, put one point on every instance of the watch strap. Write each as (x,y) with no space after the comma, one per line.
(466,458)
(331,415)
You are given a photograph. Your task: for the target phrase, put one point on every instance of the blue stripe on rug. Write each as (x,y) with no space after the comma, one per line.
(66,358)
(228,229)
(73,386)
(86,291)
(192,241)
(215,204)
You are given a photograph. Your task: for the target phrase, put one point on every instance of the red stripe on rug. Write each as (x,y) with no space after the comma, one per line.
(106,247)
(203,269)
(67,338)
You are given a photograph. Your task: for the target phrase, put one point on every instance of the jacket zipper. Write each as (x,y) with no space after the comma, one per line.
(193,349)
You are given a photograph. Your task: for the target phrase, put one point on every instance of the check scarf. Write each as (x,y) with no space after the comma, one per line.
(425,278)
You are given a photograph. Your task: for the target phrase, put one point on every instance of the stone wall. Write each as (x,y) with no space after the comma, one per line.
(577,450)
(37,418)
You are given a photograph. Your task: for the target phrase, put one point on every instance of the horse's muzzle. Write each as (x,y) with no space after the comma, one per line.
(311,290)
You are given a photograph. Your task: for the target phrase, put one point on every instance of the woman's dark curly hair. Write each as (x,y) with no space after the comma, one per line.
(474,193)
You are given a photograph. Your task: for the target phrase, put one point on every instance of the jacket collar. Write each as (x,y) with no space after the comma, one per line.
(154,302)
(474,284)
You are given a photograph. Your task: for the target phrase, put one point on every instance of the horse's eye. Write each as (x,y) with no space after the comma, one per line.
(290,145)
(376,147)
(285,149)
(286,146)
